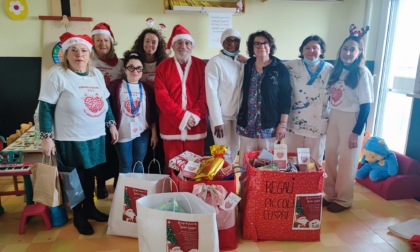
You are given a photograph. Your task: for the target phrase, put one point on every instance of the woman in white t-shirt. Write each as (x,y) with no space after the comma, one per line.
(74,100)
(351,93)
(105,59)
(135,112)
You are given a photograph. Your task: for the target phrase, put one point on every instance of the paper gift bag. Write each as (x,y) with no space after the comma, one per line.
(282,205)
(46,186)
(159,230)
(73,190)
(227,236)
(130,187)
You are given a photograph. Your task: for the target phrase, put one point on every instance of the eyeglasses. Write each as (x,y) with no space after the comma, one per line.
(231,41)
(183,42)
(132,68)
(259,44)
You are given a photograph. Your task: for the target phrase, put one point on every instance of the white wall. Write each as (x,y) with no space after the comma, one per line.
(289,23)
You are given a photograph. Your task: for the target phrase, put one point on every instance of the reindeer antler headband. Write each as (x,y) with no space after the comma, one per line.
(358,33)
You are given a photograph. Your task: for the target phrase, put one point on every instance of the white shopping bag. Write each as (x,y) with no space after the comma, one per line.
(195,230)
(130,187)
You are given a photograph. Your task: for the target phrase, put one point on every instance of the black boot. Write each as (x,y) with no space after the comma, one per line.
(101,191)
(94,214)
(80,221)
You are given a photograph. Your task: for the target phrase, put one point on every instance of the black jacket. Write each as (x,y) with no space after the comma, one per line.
(276,93)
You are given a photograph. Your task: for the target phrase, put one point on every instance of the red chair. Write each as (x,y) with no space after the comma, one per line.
(32,210)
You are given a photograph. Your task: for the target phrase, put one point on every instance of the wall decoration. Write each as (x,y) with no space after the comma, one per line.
(57,53)
(16,9)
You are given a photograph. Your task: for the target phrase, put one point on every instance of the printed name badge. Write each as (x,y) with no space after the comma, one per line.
(134,130)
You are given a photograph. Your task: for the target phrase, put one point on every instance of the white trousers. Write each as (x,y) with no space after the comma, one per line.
(230,139)
(340,161)
(316,145)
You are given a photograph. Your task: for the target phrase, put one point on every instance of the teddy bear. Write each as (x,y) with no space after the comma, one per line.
(377,161)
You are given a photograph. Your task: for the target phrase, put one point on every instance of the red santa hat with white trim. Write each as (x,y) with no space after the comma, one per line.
(68,39)
(179,32)
(103,28)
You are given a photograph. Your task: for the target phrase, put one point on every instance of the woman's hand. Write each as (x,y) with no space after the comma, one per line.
(353,139)
(48,147)
(154,140)
(242,58)
(114,134)
(280,132)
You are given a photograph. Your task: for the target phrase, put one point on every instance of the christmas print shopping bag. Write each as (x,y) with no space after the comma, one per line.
(193,230)
(130,187)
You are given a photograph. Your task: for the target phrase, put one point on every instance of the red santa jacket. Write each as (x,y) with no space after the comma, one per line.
(178,98)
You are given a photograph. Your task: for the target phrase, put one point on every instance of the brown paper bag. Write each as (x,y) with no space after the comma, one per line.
(46,184)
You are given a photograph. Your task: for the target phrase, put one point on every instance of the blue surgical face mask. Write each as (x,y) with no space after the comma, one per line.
(231,54)
(311,63)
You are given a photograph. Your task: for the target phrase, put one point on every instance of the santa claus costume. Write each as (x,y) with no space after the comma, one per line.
(180,95)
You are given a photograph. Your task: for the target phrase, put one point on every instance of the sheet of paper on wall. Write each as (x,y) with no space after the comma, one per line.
(406,229)
(218,23)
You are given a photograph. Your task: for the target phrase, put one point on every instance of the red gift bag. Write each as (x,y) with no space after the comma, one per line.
(281,205)
(227,237)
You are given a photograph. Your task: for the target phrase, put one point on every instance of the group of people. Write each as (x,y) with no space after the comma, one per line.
(156,107)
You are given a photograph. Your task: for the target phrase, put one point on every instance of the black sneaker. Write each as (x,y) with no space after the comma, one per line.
(325,202)
(336,208)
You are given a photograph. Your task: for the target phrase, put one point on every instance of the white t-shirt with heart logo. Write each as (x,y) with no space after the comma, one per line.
(127,116)
(80,101)
(346,99)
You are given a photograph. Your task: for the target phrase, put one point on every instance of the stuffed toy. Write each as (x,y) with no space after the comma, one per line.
(377,161)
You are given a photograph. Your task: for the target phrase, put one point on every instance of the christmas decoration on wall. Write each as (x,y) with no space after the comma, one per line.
(16,9)
(57,53)
(239,6)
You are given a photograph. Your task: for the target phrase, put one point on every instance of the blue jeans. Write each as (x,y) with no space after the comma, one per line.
(132,151)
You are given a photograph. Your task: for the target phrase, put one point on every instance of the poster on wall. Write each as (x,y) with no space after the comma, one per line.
(218,22)
(16,9)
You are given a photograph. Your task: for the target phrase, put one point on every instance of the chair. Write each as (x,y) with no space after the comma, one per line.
(25,127)
(13,137)
(35,209)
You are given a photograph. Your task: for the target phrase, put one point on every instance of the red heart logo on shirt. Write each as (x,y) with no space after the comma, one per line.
(94,103)
(336,94)
(127,105)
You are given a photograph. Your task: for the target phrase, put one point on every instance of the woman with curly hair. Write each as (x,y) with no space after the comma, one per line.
(266,98)
(151,47)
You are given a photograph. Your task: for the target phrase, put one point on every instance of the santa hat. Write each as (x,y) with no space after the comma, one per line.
(229,32)
(179,32)
(69,39)
(103,28)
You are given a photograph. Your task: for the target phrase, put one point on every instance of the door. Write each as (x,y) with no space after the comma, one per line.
(399,68)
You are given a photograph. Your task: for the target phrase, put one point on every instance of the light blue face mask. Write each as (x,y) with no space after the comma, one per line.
(231,54)
(311,63)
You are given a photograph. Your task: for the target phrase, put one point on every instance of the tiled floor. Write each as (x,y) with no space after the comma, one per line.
(362,228)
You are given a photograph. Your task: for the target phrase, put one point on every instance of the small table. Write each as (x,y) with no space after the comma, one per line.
(30,144)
